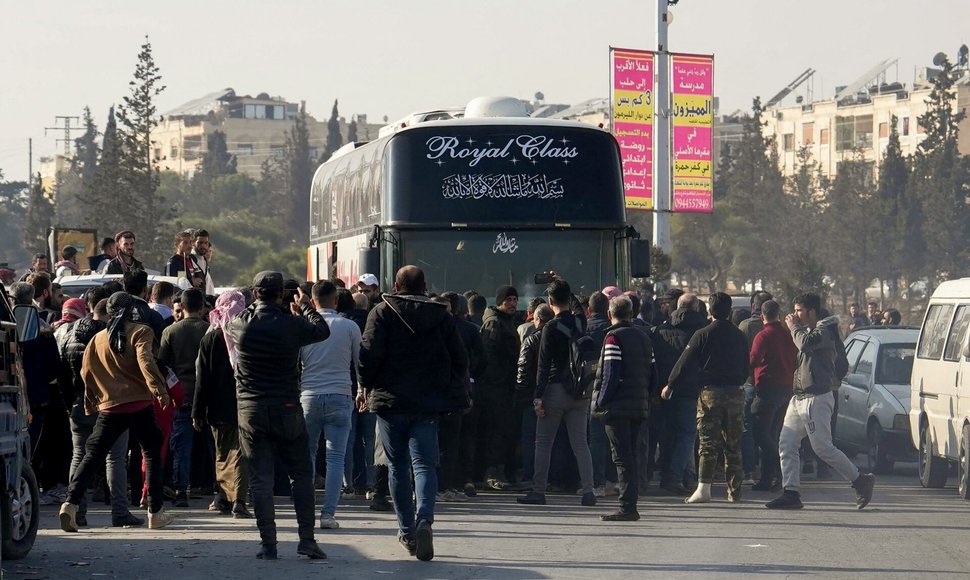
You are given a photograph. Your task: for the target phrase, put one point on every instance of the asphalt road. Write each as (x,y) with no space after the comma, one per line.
(906,532)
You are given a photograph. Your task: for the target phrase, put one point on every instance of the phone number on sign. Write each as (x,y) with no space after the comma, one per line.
(693,203)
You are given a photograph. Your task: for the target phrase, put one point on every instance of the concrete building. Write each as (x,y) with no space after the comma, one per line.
(857,121)
(255,127)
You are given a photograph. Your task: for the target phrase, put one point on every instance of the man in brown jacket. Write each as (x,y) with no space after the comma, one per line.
(121,378)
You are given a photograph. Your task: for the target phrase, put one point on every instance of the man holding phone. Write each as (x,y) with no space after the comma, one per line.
(271,424)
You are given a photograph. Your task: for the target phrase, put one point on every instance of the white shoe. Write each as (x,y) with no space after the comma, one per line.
(599,491)
(328,522)
(68,517)
(159,519)
(370,495)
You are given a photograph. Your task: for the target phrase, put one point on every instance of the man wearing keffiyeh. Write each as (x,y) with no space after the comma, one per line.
(215,404)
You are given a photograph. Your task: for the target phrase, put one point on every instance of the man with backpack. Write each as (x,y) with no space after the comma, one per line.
(562,393)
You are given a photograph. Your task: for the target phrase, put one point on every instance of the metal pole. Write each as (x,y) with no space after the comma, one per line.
(661,139)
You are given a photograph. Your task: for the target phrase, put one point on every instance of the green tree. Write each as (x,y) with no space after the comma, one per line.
(14,199)
(352,131)
(71,185)
(300,172)
(40,212)
(802,269)
(334,139)
(108,195)
(892,212)
(138,116)
(941,178)
(217,160)
(849,229)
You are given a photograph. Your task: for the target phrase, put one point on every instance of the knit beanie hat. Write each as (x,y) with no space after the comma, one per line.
(503,292)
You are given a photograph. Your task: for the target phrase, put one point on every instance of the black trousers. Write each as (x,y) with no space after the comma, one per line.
(768,414)
(623,435)
(142,428)
(501,429)
(472,467)
(449,449)
(268,432)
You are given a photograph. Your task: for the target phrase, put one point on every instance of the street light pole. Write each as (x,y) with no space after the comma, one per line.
(661,139)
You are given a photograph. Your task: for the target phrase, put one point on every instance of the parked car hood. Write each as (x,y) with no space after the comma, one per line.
(901,393)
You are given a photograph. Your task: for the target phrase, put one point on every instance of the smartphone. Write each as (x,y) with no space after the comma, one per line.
(544,278)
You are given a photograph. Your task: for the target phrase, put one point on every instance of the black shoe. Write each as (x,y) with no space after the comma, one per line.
(589,500)
(181,499)
(789,500)
(765,485)
(127,521)
(423,541)
(863,489)
(532,498)
(621,516)
(310,549)
(677,489)
(409,544)
(267,553)
(240,512)
(470,490)
(380,504)
(81,520)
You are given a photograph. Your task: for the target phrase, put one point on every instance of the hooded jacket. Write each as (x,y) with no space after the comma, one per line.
(669,339)
(412,359)
(821,358)
(500,338)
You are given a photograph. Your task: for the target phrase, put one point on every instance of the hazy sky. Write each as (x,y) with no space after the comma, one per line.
(382,57)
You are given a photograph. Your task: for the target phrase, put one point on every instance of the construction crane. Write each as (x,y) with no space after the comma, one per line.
(791,87)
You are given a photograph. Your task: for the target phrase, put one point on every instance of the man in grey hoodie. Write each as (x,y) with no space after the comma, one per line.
(821,366)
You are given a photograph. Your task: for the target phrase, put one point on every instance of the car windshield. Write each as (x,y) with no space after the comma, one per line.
(485,260)
(895,364)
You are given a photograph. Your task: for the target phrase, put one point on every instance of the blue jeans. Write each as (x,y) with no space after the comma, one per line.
(365,436)
(330,415)
(682,422)
(749,452)
(411,441)
(181,447)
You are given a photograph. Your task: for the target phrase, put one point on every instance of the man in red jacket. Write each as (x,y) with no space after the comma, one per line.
(772,361)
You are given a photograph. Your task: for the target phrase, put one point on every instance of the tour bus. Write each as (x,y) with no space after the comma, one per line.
(940,388)
(477,202)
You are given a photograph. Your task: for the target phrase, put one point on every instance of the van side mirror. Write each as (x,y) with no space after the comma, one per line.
(28,322)
(640,258)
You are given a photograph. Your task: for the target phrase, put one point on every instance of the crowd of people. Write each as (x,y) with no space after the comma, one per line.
(407,399)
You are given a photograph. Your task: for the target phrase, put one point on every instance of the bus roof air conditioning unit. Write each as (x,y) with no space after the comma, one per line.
(484,107)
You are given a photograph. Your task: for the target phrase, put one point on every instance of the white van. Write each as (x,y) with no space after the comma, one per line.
(939,414)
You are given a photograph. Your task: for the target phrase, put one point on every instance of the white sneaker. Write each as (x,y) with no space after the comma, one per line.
(68,517)
(328,522)
(370,495)
(599,491)
(159,519)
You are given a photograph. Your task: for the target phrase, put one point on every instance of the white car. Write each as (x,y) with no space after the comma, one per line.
(873,399)
(76,286)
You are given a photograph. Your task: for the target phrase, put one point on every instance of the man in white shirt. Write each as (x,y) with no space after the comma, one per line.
(326,395)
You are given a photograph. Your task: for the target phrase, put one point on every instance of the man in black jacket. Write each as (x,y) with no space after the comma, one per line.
(621,398)
(526,387)
(669,340)
(413,367)
(555,405)
(496,390)
(271,425)
(716,360)
(125,260)
(599,446)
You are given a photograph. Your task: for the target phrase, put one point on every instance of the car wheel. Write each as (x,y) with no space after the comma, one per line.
(21,515)
(878,462)
(932,470)
(964,487)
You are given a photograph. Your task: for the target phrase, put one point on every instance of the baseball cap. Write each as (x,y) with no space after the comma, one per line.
(612,292)
(368,280)
(268,280)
